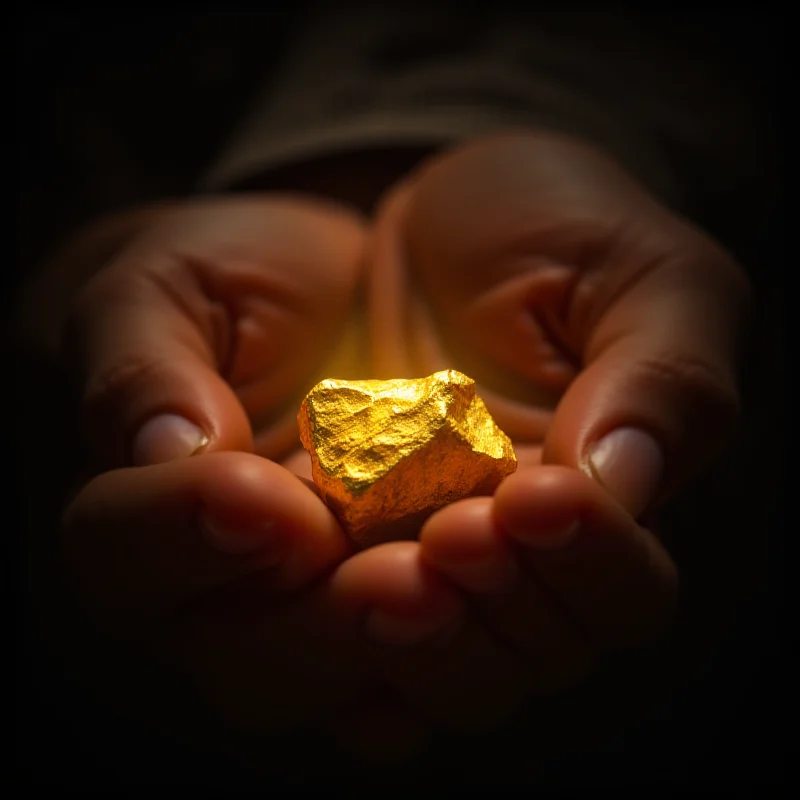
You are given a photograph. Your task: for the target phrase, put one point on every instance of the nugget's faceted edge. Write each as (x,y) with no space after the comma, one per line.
(386,454)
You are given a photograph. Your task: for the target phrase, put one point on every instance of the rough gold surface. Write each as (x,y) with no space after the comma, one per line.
(386,454)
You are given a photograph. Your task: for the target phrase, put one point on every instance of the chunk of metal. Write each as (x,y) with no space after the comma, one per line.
(387,454)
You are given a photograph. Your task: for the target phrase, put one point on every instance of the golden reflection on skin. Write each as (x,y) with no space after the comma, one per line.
(352,359)
(390,333)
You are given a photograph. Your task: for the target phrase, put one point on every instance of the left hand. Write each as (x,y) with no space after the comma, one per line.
(602,330)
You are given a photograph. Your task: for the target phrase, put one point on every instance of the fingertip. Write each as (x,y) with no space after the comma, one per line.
(442,531)
(463,542)
(248,485)
(401,598)
(395,574)
(244,492)
(543,501)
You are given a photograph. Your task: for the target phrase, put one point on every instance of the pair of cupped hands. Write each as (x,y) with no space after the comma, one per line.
(601,328)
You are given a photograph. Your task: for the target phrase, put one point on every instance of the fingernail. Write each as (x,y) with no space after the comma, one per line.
(629,464)
(165,438)
(386,628)
(238,541)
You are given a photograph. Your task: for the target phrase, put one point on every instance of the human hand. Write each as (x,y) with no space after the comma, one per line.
(602,329)
(581,305)
(226,566)
(201,335)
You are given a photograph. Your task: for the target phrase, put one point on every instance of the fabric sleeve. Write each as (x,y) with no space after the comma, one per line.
(658,95)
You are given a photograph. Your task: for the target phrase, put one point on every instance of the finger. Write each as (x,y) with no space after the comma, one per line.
(452,671)
(147,541)
(438,660)
(411,602)
(318,656)
(658,396)
(182,342)
(464,542)
(611,576)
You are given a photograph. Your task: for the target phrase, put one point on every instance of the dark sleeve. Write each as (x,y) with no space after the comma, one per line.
(679,100)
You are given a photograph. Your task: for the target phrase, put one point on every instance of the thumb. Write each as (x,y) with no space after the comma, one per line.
(146,369)
(657,396)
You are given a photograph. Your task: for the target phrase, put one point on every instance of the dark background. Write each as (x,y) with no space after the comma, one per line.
(115,109)
(118,107)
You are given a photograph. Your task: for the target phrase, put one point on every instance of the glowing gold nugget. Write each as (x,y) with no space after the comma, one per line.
(386,454)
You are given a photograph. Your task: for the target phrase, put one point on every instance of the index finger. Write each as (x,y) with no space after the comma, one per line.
(144,541)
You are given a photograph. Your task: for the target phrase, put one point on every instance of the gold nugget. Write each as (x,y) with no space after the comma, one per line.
(386,454)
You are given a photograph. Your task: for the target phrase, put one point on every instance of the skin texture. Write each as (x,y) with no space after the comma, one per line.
(528,261)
